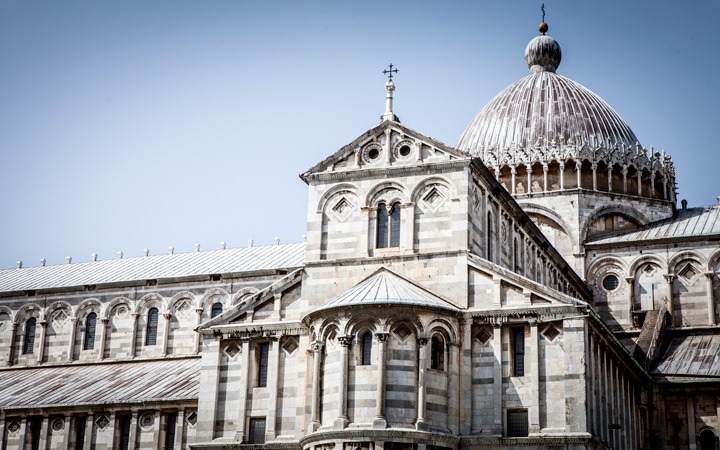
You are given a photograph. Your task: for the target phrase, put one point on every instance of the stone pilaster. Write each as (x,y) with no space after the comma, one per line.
(420,423)
(103,335)
(380,421)
(243,390)
(317,348)
(342,419)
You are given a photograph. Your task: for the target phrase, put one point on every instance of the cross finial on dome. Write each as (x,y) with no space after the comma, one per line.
(389,88)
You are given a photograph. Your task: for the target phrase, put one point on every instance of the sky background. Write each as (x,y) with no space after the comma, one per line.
(131,125)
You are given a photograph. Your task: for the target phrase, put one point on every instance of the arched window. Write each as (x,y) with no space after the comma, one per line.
(90,321)
(707,440)
(152,327)
(388,226)
(29,342)
(366,348)
(216,309)
(437,353)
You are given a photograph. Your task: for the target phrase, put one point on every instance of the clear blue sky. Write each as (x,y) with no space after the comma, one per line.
(130,125)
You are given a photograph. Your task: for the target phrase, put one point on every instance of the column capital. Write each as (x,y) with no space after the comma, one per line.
(317,346)
(629,280)
(709,275)
(135,314)
(43,323)
(104,320)
(167,315)
(382,337)
(199,310)
(669,278)
(422,341)
(345,340)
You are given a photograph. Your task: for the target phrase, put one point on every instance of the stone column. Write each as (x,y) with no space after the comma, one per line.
(380,420)
(67,430)
(89,427)
(41,348)
(545,177)
(273,391)
(44,427)
(209,381)
(513,172)
(630,294)
(497,380)
(534,379)
(71,345)
(317,348)
(133,339)
(652,185)
(593,166)
(243,390)
(420,423)
(132,444)
(179,424)
(610,178)
(528,169)
(2,431)
(11,351)
(103,336)
(578,173)
(670,279)
(466,361)
(277,296)
(691,424)
(198,321)
(562,176)
(342,419)
(388,145)
(639,177)
(710,296)
(624,174)
(166,332)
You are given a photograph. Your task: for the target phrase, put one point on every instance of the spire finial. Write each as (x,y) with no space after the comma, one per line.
(389,88)
(543,26)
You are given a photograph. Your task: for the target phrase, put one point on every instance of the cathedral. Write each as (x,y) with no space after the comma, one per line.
(535,286)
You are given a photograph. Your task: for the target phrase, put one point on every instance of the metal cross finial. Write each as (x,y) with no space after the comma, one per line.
(542,8)
(390,72)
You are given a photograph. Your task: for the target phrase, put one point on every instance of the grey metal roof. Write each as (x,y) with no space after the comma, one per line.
(154,267)
(691,222)
(93,384)
(545,109)
(542,108)
(385,288)
(693,355)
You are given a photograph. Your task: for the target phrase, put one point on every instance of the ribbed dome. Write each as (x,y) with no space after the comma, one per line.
(545,108)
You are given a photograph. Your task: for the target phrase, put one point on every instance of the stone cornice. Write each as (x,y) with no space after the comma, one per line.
(232,445)
(369,434)
(391,171)
(253,329)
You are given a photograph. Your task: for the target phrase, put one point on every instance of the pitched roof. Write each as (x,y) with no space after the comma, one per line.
(154,267)
(387,288)
(121,382)
(693,355)
(688,223)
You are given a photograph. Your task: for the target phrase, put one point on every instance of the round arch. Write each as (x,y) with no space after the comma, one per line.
(375,194)
(117,301)
(149,301)
(90,304)
(684,256)
(60,304)
(637,216)
(327,195)
(644,259)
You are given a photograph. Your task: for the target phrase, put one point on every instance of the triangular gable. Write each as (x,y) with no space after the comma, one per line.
(538,294)
(383,288)
(345,157)
(283,284)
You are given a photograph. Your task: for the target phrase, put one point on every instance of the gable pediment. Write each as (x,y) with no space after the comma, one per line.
(385,146)
(259,309)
